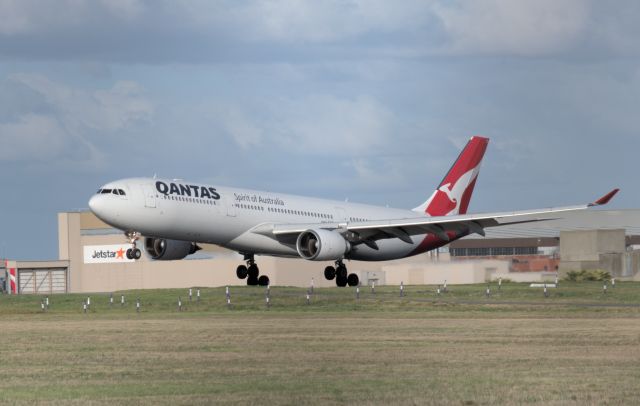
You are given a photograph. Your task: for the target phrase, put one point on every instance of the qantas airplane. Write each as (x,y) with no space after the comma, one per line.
(174,216)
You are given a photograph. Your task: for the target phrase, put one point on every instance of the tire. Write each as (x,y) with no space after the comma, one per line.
(329,273)
(252,281)
(129,256)
(353,279)
(341,281)
(241,272)
(342,271)
(254,271)
(263,280)
(136,254)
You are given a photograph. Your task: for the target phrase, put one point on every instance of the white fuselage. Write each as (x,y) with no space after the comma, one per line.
(226,216)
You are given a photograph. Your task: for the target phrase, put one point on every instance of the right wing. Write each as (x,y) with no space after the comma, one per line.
(368,232)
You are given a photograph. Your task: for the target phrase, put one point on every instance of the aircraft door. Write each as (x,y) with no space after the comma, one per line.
(149,196)
(231,208)
(341,215)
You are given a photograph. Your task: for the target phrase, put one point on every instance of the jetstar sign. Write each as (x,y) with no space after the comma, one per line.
(101,254)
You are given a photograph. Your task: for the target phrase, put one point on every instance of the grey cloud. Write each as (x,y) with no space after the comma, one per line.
(131,31)
(514,27)
(57,122)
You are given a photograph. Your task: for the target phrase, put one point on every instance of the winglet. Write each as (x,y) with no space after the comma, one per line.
(604,199)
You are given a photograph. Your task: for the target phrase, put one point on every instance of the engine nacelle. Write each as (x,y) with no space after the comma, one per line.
(322,245)
(167,250)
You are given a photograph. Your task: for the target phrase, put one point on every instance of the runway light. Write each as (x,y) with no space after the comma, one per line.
(373,287)
(604,288)
(438,290)
(357,292)
(138,305)
(444,288)
(227,293)
(190,294)
(110,300)
(268,302)
(84,307)
(546,293)
(488,291)
(401,289)
(122,300)
(613,282)
(179,304)
(308,298)
(198,295)
(229,302)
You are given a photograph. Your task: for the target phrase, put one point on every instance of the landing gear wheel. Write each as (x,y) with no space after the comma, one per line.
(129,253)
(341,281)
(341,271)
(252,281)
(136,254)
(253,271)
(263,280)
(329,273)
(242,272)
(353,279)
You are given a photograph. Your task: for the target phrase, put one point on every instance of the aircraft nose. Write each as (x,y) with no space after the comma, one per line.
(96,203)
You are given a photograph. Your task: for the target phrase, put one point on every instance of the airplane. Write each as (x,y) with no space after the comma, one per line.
(174,216)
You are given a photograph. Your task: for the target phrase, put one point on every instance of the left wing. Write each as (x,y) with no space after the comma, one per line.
(367,232)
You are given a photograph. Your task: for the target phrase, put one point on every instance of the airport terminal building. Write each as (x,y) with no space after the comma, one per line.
(91,258)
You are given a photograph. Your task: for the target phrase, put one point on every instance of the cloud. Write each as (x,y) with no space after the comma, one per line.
(242,130)
(68,123)
(328,124)
(514,27)
(32,137)
(157,32)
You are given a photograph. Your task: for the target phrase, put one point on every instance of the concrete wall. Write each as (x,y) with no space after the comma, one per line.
(593,249)
(588,245)
(435,273)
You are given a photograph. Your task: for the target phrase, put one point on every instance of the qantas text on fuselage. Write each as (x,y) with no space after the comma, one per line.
(174,216)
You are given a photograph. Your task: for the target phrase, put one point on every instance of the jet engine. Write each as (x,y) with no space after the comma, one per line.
(166,250)
(321,245)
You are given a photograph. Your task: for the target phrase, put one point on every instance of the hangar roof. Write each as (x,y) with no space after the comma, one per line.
(629,220)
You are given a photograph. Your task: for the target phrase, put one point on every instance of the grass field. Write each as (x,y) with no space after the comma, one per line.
(577,346)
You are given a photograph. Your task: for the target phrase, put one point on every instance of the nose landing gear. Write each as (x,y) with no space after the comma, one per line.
(133,252)
(251,272)
(340,274)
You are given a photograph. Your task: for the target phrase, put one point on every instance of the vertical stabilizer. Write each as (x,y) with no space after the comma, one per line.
(454,192)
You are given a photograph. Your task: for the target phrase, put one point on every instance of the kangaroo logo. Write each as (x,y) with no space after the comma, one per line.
(447,199)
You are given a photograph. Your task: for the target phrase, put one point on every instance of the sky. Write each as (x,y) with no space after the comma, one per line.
(369,101)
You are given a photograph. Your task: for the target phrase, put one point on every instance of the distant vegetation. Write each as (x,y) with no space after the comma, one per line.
(588,275)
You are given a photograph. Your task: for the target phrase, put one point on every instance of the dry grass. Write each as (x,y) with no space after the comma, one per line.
(381,350)
(276,358)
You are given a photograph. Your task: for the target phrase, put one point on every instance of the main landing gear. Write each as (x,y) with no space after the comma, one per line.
(251,272)
(133,252)
(339,272)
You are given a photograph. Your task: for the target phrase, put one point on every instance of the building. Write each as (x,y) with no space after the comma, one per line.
(90,258)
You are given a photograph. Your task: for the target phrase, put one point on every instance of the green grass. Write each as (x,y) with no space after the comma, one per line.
(578,346)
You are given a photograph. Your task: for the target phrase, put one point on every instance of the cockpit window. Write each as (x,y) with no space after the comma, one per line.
(105,191)
(121,192)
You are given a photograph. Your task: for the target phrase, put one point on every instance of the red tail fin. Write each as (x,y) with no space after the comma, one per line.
(454,192)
